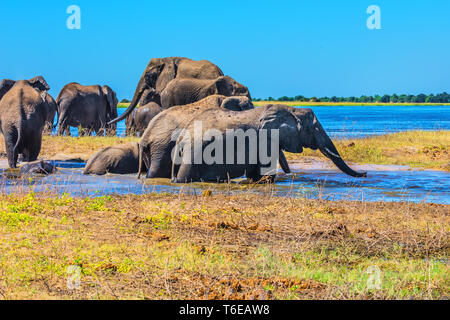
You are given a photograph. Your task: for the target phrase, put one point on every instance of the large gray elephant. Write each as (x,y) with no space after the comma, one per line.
(183,91)
(159,138)
(88,107)
(23,113)
(7,84)
(119,159)
(254,144)
(160,71)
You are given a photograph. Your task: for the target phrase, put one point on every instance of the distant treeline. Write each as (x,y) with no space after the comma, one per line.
(420,98)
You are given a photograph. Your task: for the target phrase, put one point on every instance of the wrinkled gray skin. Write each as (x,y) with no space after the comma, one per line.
(52,108)
(88,107)
(298,129)
(160,71)
(119,159)
(158,140)
(38,167)
(137,121)
(7,84)
(181,91)
(143,116)
(23,113)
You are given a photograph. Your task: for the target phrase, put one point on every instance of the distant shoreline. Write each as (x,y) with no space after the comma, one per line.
(348,104)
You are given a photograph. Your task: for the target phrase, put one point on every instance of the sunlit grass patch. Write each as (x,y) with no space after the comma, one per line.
(425,149)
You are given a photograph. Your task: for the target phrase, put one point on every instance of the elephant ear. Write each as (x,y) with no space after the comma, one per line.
(39,83)
(223,86)
(5,86)
(237,103)
(112,100)
(167,71)
(150,95)
(282,118)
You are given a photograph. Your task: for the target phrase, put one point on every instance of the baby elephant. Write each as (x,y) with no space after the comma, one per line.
(119,159)
(39,167)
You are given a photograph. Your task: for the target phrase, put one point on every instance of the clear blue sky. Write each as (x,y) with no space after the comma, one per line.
(276,48)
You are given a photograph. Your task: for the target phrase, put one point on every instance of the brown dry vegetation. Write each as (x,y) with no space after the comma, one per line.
(161,246)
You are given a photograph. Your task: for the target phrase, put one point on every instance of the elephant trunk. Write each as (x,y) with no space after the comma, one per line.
(137,96)
(327,147)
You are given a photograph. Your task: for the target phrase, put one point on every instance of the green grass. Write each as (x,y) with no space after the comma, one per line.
(233,247)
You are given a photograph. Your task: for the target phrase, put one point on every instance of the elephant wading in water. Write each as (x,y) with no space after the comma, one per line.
(160,71)
(158,140)
(23,113)
(88,107)
(262,134)
(120,159)
(51,106)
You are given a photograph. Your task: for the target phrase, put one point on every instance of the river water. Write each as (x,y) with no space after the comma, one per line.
(361,121)
(383,183)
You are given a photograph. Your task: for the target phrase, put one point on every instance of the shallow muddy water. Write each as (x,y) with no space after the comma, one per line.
(383,183)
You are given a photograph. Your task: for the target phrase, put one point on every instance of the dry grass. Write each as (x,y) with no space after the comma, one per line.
(160,246)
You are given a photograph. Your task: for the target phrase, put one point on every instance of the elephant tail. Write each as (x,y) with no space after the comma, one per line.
(19,138)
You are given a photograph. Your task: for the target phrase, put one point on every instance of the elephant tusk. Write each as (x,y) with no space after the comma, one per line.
(332,153)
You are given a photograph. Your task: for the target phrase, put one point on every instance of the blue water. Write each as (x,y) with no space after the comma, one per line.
(380,185)
(387,183)
(361,121)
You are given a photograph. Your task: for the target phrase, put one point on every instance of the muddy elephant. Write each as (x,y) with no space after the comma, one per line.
(160,71)
(86,107)
(249,143)
(23,113)
(181,91)
(119,159)
(7,84)
(158,140)
(38,167)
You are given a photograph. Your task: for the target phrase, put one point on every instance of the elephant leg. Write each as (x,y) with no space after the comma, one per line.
(254,174)
(12,146)
(35,147)
(12,154)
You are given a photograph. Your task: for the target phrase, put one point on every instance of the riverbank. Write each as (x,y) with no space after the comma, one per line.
(308,104)
(160,246)
(417,149)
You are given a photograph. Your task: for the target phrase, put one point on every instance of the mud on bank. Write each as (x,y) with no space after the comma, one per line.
(161,246)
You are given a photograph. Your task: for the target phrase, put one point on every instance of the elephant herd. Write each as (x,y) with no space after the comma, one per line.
(178,99)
